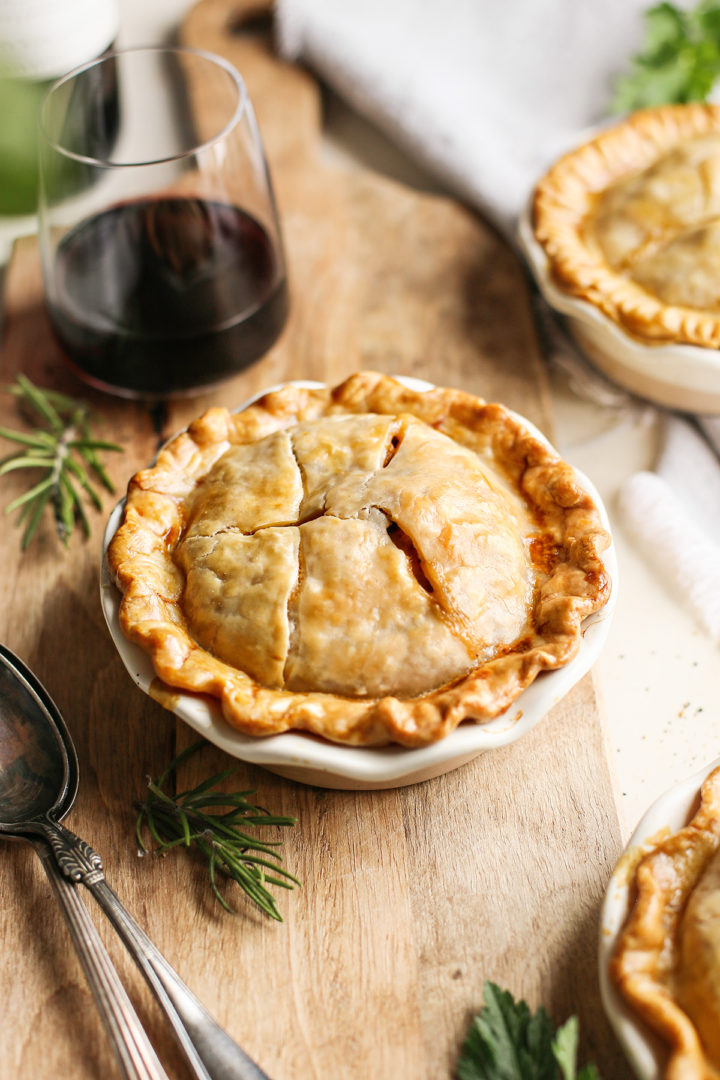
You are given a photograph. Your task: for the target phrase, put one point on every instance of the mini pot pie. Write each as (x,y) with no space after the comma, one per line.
(667,961)
(630,222)
(368,563)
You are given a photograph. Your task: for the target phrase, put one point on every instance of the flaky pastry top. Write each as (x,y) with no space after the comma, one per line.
(630,221)
(365,562)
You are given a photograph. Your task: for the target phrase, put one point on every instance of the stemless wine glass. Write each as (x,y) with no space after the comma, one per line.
(161,247)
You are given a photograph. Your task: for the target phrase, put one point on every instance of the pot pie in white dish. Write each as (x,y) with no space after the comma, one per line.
(660,936)
(623,235)
(368,563)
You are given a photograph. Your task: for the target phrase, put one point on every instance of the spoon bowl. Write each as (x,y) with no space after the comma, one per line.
(38,764)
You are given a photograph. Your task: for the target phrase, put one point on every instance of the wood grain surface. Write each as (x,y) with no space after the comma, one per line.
(411,897)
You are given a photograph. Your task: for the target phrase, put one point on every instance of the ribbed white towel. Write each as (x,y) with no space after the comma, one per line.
(674,515)
(483,94)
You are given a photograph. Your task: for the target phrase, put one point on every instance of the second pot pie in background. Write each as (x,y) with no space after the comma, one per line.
(630,222)
(369,563)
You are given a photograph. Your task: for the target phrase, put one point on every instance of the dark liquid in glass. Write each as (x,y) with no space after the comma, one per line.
(161,296)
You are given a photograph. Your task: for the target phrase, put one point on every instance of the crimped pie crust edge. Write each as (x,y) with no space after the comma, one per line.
(140,563)
(565,195)
(664,874)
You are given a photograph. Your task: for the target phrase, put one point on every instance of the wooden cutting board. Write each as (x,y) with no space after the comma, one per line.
(413,897)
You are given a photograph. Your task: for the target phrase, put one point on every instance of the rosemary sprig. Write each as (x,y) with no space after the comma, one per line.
(61,448)
(180,820)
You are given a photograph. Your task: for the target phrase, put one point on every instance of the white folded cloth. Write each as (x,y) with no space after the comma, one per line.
(486,95)
(674,515)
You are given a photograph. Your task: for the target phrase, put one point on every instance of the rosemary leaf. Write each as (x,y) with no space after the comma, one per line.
(212,781)
(23,463)
(84,480)
(76,506)
(182,820)
(279,882)
(46,439)
(28,496)
(176,763)
(25,513)
(160,795)
(63,403)
(65,508)
(35,510)
(41,404)
(93,444)
(98,470)
(211,866)
(19,437)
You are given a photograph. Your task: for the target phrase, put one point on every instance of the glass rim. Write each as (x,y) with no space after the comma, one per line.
(104,163)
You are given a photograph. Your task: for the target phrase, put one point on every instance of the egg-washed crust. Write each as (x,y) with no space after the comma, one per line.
(647,954)
(566,195)
(574,584)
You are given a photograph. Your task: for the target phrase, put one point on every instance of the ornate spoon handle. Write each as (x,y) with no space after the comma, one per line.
(210,1051)
(196,1030)
(135,1055)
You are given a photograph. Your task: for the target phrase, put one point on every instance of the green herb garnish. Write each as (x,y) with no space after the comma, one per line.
(680,61)
(181,820)
(61,448)
(507,1042)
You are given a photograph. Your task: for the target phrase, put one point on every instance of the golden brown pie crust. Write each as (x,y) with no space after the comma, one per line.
(477,539)
(630,222)
(667,961)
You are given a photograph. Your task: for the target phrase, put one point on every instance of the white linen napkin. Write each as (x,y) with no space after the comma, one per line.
(485,95)
(674,515)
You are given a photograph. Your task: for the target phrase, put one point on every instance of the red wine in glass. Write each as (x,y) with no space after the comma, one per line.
(161,296)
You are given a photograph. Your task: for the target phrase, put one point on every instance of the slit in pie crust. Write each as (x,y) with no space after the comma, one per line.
(630,222)
(667,961)
(368,563)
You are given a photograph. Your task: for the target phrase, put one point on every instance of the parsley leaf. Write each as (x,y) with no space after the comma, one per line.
(680,61)
(565,1047)
(507,1042)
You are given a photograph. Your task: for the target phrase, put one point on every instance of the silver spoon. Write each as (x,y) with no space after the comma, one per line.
(38,784)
